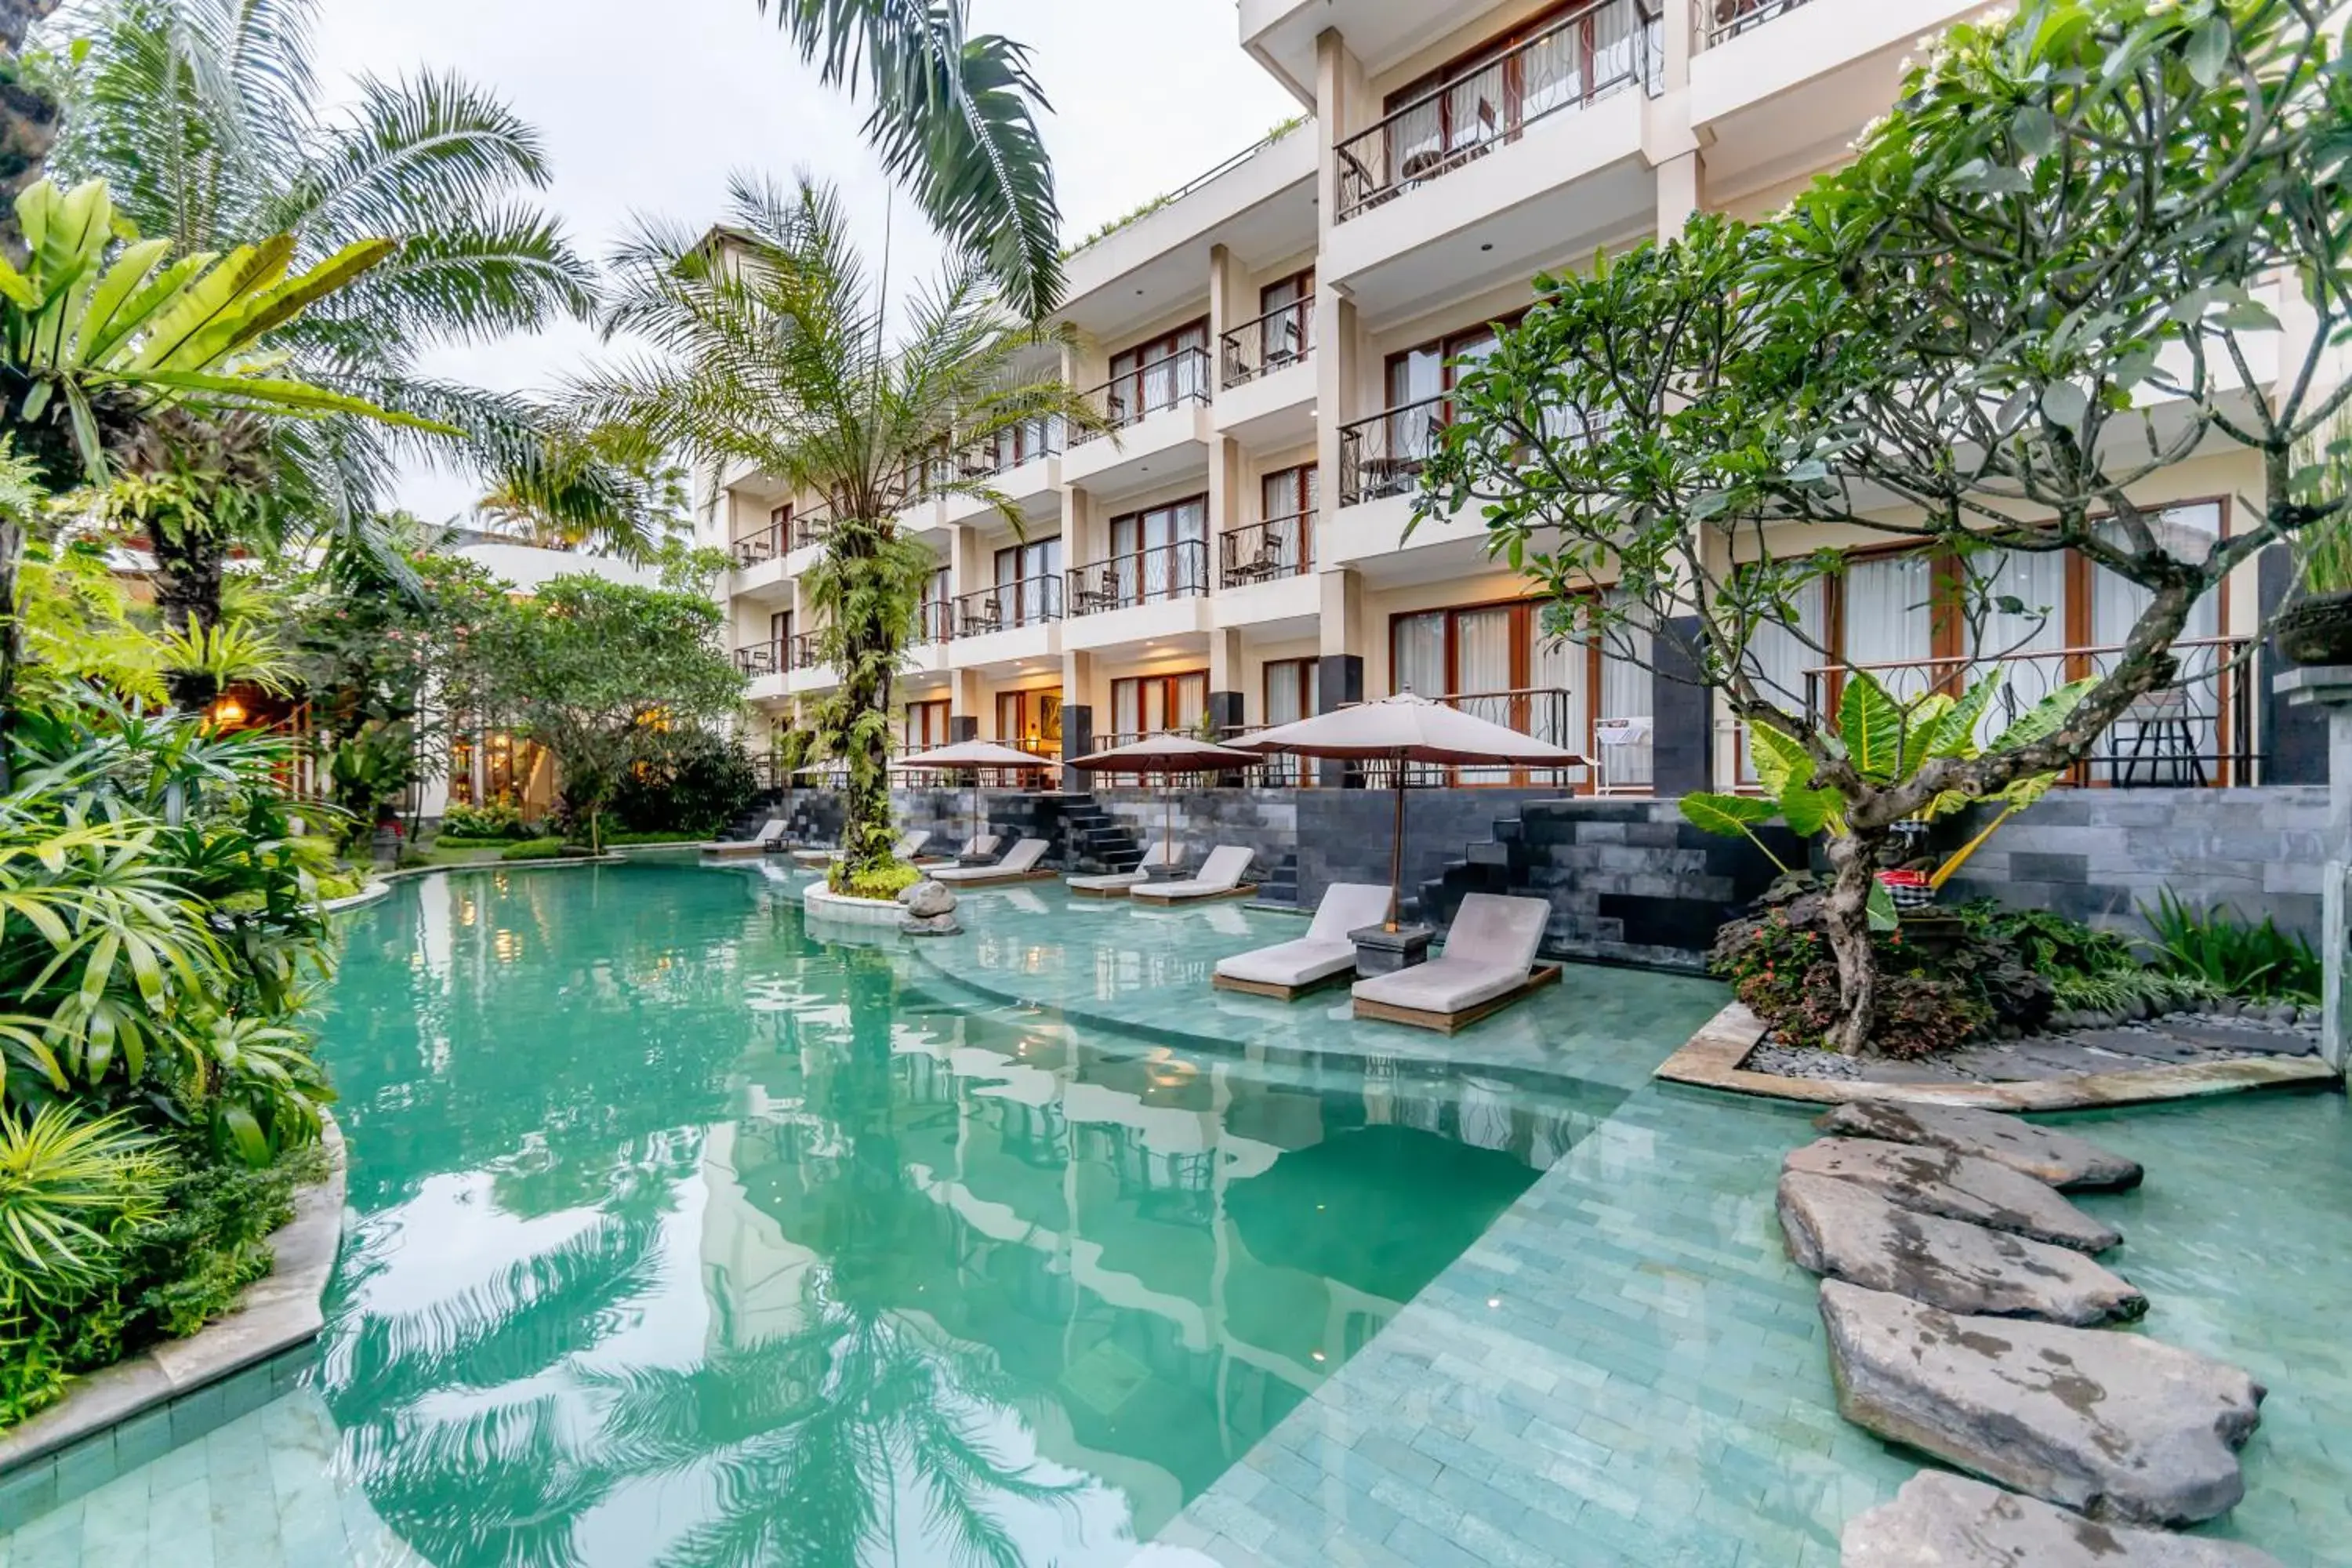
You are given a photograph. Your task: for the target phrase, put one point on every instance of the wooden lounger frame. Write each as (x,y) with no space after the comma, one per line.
(1039,874)
(1281,992)
(1103,892)
(1543,975)
(1247,890)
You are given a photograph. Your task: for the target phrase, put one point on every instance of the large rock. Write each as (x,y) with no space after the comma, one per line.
(2057,1158)
(928,900)
(1849,1232)
(1940,1521)
(1928,1179)
(2117,1427)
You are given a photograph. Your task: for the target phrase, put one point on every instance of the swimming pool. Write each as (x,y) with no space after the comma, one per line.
(680,1236)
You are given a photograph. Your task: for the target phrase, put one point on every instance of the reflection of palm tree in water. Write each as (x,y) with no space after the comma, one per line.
(484,1437)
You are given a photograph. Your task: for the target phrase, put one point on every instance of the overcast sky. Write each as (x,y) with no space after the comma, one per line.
(649,108)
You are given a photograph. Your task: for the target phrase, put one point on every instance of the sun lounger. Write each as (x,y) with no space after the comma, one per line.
(909,845)
(768,841)
(1220,876)
(1488,964)
(1116,884)
(1019,865)
(1288,970)
(979,850)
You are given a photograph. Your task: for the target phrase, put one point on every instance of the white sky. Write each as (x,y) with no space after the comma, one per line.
(649,108)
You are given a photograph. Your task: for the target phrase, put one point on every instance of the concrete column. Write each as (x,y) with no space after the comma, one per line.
(962,727)
(1678,40)
(966,696)
(1679,193)
(1229,505)
(1341,620)
(1335,404)
(1338,682)
(969,568)
(1082,540)
(1079,706)
(1682,715)
(1341,100)
(2330,689)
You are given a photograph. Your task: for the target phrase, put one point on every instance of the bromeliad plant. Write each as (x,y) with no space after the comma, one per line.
(1887,741)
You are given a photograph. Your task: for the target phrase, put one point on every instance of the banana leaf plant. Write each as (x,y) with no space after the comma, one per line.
(1888,741)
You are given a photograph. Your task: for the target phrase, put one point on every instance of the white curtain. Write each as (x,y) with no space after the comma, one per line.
(1777,661)
(1626,691)
(2026,642)
(1482,662)
(1890,620)
(1420,655)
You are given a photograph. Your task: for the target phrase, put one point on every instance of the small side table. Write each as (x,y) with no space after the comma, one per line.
(1380,950)
(1165,873)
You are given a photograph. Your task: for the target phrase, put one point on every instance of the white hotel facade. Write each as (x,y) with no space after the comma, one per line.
(1271,345)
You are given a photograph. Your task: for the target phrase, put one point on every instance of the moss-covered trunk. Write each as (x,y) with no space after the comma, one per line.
(1854,865)
(189,571)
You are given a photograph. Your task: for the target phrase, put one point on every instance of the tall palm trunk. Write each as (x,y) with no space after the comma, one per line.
(189,571)
(870,615)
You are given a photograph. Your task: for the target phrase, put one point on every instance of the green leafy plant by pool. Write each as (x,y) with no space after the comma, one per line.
(1889,740)
(2220,948)
(886,881)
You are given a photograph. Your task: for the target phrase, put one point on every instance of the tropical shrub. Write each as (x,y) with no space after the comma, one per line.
(486,823)
(532,849)
(2218,949)
(885,881)
(694,785)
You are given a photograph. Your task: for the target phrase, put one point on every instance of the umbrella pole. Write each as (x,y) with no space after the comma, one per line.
(1396,850)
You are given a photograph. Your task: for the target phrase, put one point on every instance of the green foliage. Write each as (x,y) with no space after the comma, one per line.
(2050,943)
(70,1189)
(885,881)
(602,674)
(1781,968)
(533,849)
(954,119)
(2230,956)
(489,823)
(2127,991)
(692,785)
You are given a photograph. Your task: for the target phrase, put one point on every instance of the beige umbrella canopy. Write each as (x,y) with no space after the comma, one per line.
(966,754)
(1163,757)
(1407,729)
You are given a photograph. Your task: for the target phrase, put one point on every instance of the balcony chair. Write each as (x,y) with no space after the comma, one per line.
(1323,956)
(1489,962)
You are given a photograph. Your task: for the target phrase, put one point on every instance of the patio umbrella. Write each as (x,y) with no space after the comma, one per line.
(973,755)
(1165,756)
(1407,729)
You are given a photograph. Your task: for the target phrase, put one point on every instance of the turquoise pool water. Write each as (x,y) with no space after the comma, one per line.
(678,1236)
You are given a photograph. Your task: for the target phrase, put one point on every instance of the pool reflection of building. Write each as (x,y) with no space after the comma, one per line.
(1113,1228)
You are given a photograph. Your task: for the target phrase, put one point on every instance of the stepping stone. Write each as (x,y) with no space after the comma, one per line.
(2144,1044)
(1957,1187)
(2240,1038)
(1878,1071)
(1940,1521)
(1847,1231)
(2117,1427)
(2058,1158)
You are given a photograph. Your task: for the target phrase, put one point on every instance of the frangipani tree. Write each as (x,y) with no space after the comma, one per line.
(2039,289)
(769,352)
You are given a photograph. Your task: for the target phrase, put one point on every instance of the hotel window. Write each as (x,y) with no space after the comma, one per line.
(1562,58)
(1161,551)
(1030,721)
(1287,499)
(1286,320)
(934,610)
(1289,696)
(1029,581)
(1156,704)
(1159,373)
(927,725)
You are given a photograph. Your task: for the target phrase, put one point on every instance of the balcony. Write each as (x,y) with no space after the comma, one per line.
(1007,606)
(934,622)
(1023,464)
(761,545)
(1155,423)
(1783,86)
(1166,571)
(1718,20)
(2195,734)
(812,529)
(1266,552)
(1274,342)
(1384,456)
(761,658)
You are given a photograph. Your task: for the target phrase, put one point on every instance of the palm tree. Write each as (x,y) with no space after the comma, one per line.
(770,349)
(955,118)
(202,116)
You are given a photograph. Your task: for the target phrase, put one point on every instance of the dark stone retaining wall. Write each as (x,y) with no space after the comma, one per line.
(1631,882)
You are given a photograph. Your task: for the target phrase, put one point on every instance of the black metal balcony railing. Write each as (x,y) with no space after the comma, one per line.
(1028,602)
(1281,338)
(1008,450)
(1597,49)
(1178,571)
(801,653)
(1544,714)
(1278,547)
(811,528)
(760,545)
(1721,19)
(935,621)
(2197,731)
(1130,399)
(1384,455)
(761,658)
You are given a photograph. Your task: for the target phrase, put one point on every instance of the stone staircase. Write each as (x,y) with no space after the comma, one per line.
(1629,882)
(1281,883)
(753,817)
(1093,842)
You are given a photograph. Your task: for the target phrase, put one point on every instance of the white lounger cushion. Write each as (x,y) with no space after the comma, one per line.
(1020,861)
(1488,953)
(911,844)
(1325,950)
(1160,854)
(1220,873)
(980,844)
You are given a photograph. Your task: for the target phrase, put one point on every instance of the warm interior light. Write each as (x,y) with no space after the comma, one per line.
(228,711)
